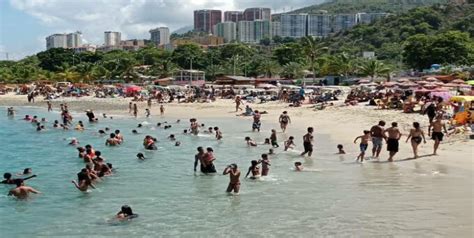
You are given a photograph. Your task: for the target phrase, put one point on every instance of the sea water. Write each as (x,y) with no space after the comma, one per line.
(334,197)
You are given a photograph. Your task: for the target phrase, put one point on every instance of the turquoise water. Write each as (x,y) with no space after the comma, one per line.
(335,197)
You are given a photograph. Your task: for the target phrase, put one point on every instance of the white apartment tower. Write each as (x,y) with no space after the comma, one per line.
(160,35)
(226,30)
(245,32)
(74,39)
(276,28)
(293,25)
(112,38)
(319,25)
(56,41)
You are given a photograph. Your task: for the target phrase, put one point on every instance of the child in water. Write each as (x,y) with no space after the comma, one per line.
(364,143)
(273,139)
(250,142)
(298,167)
(265,161)
(289,144)
(218,133)
(340,149)
(140,156)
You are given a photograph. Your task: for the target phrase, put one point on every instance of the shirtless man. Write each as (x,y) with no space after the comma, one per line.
(238,101)
(199,158)
(392,140)
(112,141)
(234,175)
(376,132)
(437,135)
(21,191)
(308,142)
(284,120)
(135,110)
(83,181)
(118,136)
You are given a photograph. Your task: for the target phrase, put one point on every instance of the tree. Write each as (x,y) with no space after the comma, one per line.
(290,52)
(312,50)
(55,58)
(342,64)
(69,76)
(183,55)
(373,68)
(212,71)
(293,70)
(269,68)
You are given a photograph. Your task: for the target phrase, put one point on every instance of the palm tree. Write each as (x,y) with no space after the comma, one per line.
(214,70)
(342,64)
(312,50)
(69,76)
(293,70)
(269,68)
(373,68)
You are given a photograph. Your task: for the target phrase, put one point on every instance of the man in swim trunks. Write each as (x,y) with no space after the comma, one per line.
(112,140)
(21,191)
(238,101)
(437,135)
(393,137)
(199,158)
(376,132)
(308,142)
(234,175)
(284,120)
(256,121)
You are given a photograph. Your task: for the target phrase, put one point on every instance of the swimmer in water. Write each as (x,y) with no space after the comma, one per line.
(171,137)
(340,149)
(56,124)
(139,125)
(290,144)
(218,133)
(140,156)
(271,152)
(250,142)
(82,152)
(10,112)
(101,132)
(177,143)
(234,175)
(74,141)
(8,178)
(134,132)
(21,191)
(273,139)
(178,121)
(126,213)
(298,167)
(27,118)
(185,131)
(80,126)
(149,143)
(254,169)
(265,161)
(26,171)
(83,181)
(209,131)
(104,115)
(112,140)
(267,141)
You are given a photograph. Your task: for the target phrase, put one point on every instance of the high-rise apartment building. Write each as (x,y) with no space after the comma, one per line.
(342,22)
(234,16)
(160,36)
(257,13)
(262,30)
(74,39)
(245,32)
(276,28)
(226,30)
(112,38)
(293,25)
(319,25)
(204,20)
(56,41)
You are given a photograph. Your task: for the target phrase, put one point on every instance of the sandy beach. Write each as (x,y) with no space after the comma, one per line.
(341,123)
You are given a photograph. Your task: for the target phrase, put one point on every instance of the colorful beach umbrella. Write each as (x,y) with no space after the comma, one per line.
(458,81)
(470,82)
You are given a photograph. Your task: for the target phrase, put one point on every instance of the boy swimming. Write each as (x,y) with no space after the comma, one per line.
(250,142)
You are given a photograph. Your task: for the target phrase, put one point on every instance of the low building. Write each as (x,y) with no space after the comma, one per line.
(85,48)
(234,80)
(189,77)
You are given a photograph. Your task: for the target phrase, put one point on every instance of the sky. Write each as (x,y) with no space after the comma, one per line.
(24,24)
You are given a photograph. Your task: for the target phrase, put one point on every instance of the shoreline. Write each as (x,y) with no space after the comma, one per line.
(341,124)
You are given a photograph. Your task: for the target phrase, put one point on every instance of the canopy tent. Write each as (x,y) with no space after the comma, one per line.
(462,99)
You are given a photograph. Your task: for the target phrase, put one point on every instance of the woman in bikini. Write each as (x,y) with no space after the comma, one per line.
(416,136)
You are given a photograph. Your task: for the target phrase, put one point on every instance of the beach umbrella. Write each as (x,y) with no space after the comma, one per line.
(451,85)
(431,79)
(408,84)
(423,90)
(403,80)
(266,85)
(470,82)
(390,84)
(422,82)
(362,81)
(430,85)
(458,81)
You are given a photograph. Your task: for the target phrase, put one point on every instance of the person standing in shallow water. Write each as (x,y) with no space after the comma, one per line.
(308,142)
(21,191)
(234,176)
(256,121)
(376,132)
(284,120)
(437,134)
(393,138)
(198,158)
(135,110)
(416,135)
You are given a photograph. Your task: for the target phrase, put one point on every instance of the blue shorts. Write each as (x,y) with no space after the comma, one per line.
(363,147)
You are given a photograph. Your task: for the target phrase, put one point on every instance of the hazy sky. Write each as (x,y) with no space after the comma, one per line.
(24,24)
